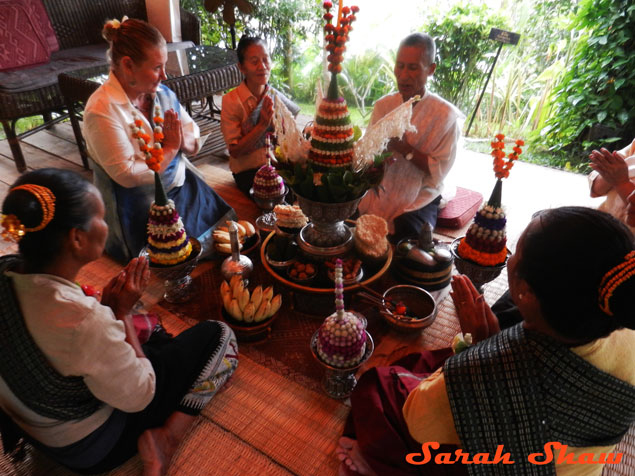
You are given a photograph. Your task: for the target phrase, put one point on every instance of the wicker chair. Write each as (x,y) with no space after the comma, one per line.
(77,23)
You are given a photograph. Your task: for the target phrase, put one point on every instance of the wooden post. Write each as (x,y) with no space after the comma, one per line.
(503,37)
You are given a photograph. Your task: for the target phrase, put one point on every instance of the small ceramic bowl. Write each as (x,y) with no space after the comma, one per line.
(249,331)
(301,279)
(421,308)
(350,281)
(279,265)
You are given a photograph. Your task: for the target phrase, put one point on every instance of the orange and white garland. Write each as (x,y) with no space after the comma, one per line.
(153,154)
(501,166)
(336,35)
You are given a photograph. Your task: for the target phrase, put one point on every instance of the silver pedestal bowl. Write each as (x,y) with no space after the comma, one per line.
(177,279)
(479,275)
(267,219)
(327,228)
(340,382)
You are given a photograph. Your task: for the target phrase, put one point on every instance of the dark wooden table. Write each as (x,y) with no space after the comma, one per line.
(193,73)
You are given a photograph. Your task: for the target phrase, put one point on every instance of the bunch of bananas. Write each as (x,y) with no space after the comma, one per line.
(243,306)
(221,235)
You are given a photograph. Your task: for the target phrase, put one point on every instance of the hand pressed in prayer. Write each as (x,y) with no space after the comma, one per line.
(610,165)
(474,314)
(125,289)
(173,135)
(266,113)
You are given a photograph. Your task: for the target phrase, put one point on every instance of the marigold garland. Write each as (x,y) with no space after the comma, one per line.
(501,166)
(336,35)
(153,155)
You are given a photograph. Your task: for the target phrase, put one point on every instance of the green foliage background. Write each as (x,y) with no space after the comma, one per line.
(594,103)
(464,52)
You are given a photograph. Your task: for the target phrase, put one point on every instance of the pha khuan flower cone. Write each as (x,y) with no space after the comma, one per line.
(342,335)
(486,238)
(335,38)
(168,243)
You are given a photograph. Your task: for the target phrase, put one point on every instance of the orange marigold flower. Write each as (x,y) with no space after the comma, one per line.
(520,142)
(502,167)
(158,119)
(138,122)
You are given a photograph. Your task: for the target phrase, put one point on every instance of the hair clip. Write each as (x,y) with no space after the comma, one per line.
(115,24)
(12,229)
(613,279)
(12,225)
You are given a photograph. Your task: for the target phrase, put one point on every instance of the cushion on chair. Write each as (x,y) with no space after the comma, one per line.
(20,42)
(62,61)
(38,14)
(460,210)
(26,34)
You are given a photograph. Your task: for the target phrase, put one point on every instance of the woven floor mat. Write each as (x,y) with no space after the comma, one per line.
(294,426)
(286,421)
(211,450)
(221,180)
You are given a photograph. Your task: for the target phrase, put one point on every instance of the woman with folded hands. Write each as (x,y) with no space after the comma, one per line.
(562,380)
(121,118)
(247,112)
(75,381)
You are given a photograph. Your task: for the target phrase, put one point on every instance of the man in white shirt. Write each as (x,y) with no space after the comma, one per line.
(413,182)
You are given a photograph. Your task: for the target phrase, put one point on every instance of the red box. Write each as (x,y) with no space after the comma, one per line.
(460,210)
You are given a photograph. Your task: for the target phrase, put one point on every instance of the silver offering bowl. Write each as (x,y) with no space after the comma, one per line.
(268,217)
(340,382)
(327,227)
(177,279)
(479,275)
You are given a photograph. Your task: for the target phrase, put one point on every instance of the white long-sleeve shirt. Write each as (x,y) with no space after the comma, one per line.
(406,187)
(79,337)
(109,140)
